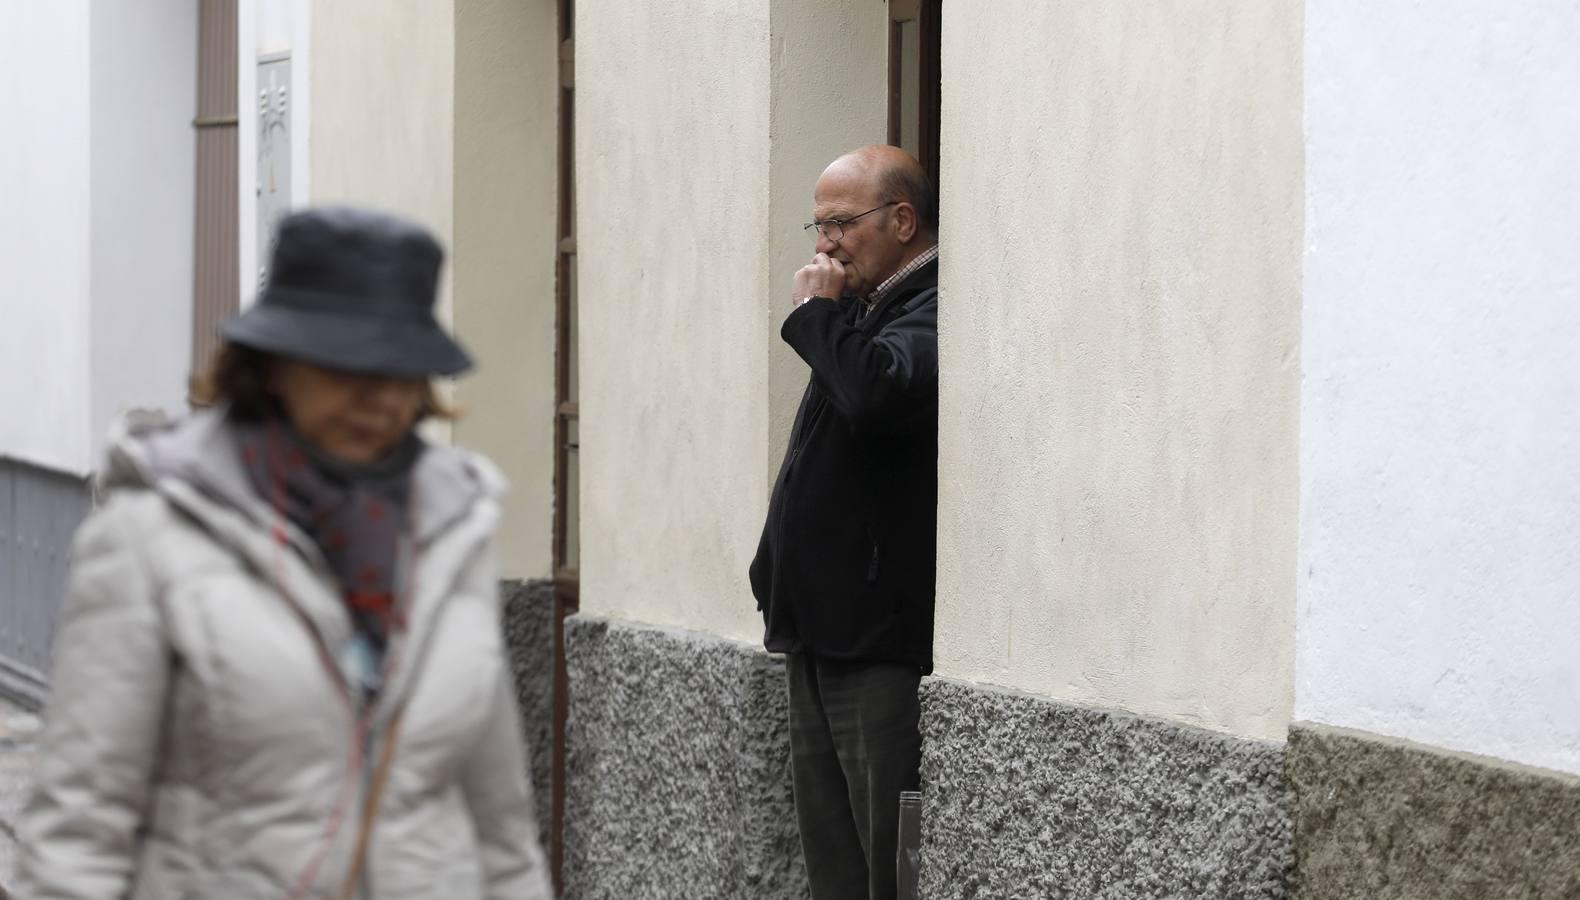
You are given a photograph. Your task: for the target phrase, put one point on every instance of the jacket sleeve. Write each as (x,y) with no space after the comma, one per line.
(877,383)
(80,828)
(498,794)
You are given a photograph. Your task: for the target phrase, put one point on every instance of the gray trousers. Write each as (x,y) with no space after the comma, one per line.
(855,744)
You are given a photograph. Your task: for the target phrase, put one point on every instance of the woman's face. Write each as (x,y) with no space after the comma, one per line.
(353,418)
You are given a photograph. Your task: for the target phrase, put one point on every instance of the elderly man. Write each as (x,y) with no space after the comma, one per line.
(844,572)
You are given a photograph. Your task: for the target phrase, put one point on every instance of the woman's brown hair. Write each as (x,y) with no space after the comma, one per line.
(239,376)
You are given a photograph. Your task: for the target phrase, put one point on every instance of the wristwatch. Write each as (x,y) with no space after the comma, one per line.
(810,297)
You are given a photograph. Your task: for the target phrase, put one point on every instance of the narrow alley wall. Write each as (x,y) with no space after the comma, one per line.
(44,243)
(1119,335)
(503,259)
(701,127)
(383,110)
(672,165)
(1440,501)
(98,176)
(144,183)
(97,171)
(672,160)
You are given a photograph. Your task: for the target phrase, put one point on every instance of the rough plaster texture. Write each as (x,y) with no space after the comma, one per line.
(1025,797)
(672,160)
(1381,819)
(383,112)
(506,108)
(829,94)
(529,637)
(45,63)
(679,768)
(1121,220)
(1440,507)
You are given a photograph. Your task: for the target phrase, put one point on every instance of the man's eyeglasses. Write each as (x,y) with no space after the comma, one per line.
(834,229)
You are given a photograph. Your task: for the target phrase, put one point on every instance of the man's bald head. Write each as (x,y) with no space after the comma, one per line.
(876,212)
(895,176)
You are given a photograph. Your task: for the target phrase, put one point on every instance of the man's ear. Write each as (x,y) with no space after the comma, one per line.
(904,222)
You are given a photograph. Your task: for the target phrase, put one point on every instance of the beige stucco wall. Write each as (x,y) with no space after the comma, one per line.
(830,93)
(1122,215)
(506,107)
(383,113)
(672,178)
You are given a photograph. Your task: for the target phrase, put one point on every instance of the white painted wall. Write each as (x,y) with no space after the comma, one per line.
(672,153)
(144,95)
(1440,491)
(1120,277)
(44,235)
(506,224)
(97,173)
(269,27)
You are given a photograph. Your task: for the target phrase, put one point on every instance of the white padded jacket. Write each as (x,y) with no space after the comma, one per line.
(199,742)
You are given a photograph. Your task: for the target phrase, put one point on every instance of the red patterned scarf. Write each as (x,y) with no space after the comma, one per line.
(356,514)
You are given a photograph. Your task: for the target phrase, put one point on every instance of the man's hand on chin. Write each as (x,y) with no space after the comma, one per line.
(824,276)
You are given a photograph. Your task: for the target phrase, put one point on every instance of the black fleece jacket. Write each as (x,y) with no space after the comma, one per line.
(845,567)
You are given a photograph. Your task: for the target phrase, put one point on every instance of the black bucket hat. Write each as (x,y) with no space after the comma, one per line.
(352,290)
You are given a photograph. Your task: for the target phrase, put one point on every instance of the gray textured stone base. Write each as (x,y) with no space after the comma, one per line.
(529,638)
(678,782)
(1377,818)
(40,510)
(1025,797)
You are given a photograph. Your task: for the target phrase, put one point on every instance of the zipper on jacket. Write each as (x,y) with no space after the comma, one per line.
(800,439)
(872,567)
(364,888)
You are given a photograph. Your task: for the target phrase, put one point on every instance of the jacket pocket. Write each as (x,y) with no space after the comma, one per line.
(883,585)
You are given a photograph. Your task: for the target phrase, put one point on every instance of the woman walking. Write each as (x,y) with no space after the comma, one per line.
(279,672)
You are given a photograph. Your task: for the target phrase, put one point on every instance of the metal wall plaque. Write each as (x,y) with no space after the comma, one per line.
(274,151)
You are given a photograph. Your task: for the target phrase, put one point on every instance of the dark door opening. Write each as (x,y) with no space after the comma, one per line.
(567,552)
(914,79)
